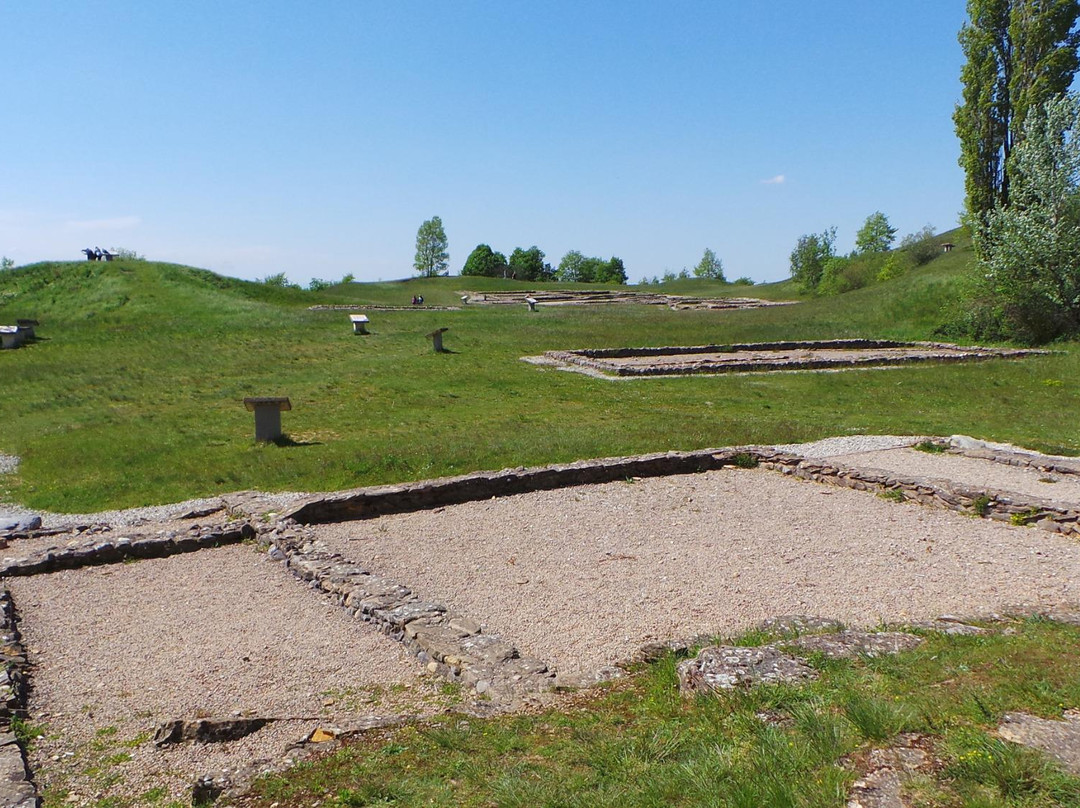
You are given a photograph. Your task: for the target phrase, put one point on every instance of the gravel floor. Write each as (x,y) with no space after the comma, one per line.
(117,650)
(582,577)
(970,471)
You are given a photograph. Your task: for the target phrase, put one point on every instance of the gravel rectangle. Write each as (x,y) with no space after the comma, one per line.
(582,577)
(118,650)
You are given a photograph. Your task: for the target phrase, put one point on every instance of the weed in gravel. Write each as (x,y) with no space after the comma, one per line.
(1024,518)
(893,495)
(981,505)
(930,447)
(745,460)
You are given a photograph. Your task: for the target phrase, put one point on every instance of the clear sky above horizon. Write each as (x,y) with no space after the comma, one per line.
(252,138)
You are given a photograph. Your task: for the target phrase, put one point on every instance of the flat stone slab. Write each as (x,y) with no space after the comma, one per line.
(14,523)
(1059,739)
(725,667)
(847,644)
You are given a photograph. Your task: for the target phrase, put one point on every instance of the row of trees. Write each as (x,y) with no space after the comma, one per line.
(529,265)
(526,265)
(1018,128)
(816,266)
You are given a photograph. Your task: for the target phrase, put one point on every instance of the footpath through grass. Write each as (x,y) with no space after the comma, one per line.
(133,396)
(640,743)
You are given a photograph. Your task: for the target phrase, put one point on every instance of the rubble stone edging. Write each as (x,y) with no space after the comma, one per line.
(1007,506)
(990,503)
(111,551)
(1016,459)
(365,503)
(593,358)
(451,645)
(17,789)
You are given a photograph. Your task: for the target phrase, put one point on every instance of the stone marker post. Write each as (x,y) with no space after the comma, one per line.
(436,339)
(532,303)
(359,323)
(267,411)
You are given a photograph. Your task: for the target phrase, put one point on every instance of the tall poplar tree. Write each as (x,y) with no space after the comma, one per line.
(1020,53)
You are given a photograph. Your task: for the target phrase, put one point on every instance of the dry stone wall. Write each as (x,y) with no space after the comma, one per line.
(449,644)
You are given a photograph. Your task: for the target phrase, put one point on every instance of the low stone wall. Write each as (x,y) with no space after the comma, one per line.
(1018,459)
(17,788)
(111,551)
(364,503)
(1004,506)
(449,644)
(362,307)
(594,359)
(1008,506)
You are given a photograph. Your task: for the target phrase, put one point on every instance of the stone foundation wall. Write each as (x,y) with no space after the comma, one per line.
(17,788)
(449,644)
(111,551)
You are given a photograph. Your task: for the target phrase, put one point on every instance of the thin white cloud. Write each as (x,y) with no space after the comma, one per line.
(777,180)
(116,223)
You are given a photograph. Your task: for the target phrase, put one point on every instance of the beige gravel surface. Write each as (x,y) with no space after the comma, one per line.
(970,471)
(117,650)
(582,577)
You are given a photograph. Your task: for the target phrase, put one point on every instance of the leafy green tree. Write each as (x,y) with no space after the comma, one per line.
(485,261)
(876,235)
(529,265)
(612,271)
(578,268)
(1029,272)
(280,280)
(809,257)
(710,267)
(573,268)
(6,263)
(432,257)
(1020,53)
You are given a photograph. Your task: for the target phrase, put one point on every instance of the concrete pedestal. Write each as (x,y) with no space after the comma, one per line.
(267,411)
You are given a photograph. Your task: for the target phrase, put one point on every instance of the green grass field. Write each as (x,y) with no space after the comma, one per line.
(133,394)
(641,745)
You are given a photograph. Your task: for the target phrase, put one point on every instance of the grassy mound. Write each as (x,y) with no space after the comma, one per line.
(133,394)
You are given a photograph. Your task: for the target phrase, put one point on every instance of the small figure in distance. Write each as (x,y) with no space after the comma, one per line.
(97,253)
(420,299)
(90,254)
(414,300)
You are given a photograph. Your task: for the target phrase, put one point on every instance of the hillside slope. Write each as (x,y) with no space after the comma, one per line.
(133,394)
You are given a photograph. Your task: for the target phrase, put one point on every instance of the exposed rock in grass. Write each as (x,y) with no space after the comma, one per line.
(724,667)
(1059,739)
(845,644)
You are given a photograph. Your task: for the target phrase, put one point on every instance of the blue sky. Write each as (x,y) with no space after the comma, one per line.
(313,138)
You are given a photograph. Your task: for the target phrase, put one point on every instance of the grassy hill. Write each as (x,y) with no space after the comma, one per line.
(133,396)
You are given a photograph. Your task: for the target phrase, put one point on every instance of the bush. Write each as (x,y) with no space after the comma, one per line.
(853,272)
(895,265)
(921,246)
(743,281)
(279,280)
(318,284)
(6,263)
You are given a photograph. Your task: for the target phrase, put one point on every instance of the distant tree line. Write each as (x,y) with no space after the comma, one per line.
(525,265)
(529,265)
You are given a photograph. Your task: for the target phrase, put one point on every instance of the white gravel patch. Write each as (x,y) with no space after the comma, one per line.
(848,444)
(583,577)
(9,464)
(117,650)
(970,471)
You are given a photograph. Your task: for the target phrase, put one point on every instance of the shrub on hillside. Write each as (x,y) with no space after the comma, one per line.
(895,264)
(845,274)
(921,246)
